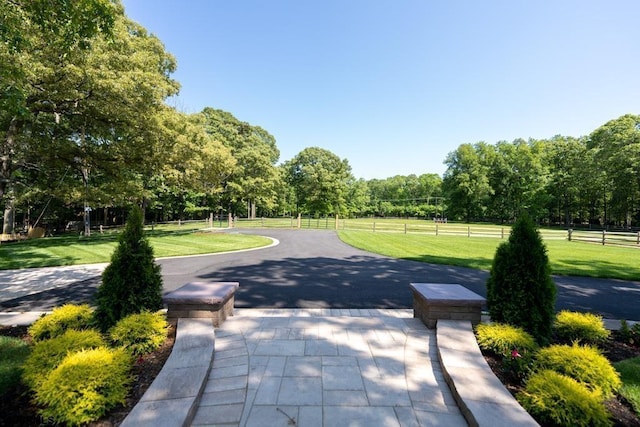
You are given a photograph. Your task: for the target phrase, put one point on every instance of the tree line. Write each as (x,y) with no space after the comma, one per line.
(86,132)
(593,179)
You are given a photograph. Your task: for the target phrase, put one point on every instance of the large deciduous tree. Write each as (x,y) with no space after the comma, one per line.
(91,109)
(466,181)
(254,180)
(617,151)
(320,180)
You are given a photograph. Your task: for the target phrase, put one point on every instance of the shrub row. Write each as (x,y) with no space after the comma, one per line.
(75,375)
(563,384)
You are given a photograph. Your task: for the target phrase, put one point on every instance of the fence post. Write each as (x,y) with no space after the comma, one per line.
(374,226)
(337,221)
(405,228)
(604,237)
(436,229)
(502,233)
(570,233)
(468,231)
(299,220)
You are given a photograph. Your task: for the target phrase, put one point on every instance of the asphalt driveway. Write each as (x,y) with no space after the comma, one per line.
(315,269)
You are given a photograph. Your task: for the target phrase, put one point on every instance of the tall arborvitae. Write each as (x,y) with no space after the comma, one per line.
(132,282)
(520,290)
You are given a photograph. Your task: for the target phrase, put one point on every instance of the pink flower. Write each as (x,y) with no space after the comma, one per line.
(515,354)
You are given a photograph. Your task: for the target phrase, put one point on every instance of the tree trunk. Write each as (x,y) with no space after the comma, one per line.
(8,225)
(7,151)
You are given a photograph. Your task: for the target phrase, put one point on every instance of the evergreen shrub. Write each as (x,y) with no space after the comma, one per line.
(68,316)
(629,334)
(131,282)
(85,385)
(520,290)
(140,333)
(586,328)
(556,399)
(47,354)
(583,363)
(13,353)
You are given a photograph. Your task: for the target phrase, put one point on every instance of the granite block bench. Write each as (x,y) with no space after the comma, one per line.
(433,301)
(212,300)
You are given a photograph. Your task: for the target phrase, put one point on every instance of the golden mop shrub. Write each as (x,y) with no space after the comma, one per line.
(47,354)
(503,339)
(583,363)
(68,316)
(586,328)
(85,385)
(551,397)
(140,333)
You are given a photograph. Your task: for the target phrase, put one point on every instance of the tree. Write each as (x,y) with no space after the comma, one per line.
(617,148)
(517,178)
(89,84)
(255,179)
(131,283)
(520,290)
(568,178)
(466,181)
(320,180)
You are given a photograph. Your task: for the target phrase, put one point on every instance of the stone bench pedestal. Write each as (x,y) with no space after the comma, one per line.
(212,300)
(433,301)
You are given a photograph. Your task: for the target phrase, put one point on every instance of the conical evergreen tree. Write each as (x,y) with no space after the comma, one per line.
(520,290)
(132,282)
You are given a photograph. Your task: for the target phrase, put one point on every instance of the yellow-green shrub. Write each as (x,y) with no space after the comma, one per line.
(85,385)
(502,339)
(13,353)
(551,397)
(140,333)
(583,363)
(587,328)
(514,344)
(68,316)
(47,354)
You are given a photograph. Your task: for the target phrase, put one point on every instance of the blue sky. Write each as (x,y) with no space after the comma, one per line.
(394,86)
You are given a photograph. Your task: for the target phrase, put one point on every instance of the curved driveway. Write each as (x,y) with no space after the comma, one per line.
(315,269)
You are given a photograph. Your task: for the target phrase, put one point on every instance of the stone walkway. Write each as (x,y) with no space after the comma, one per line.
(326,368)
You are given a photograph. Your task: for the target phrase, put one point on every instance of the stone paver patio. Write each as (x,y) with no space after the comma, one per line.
(326,368)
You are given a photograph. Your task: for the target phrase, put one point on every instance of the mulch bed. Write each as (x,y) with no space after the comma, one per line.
(615,350)
(17,408)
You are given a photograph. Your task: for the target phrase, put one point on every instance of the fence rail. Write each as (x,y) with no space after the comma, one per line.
(417,226)
(605,237)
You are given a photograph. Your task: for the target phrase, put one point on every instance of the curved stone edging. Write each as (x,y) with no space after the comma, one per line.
(173,397)
(482,398)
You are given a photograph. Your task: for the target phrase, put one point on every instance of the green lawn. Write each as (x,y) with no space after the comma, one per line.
(71,250)
(630,375)
(566,258)
(13,352)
